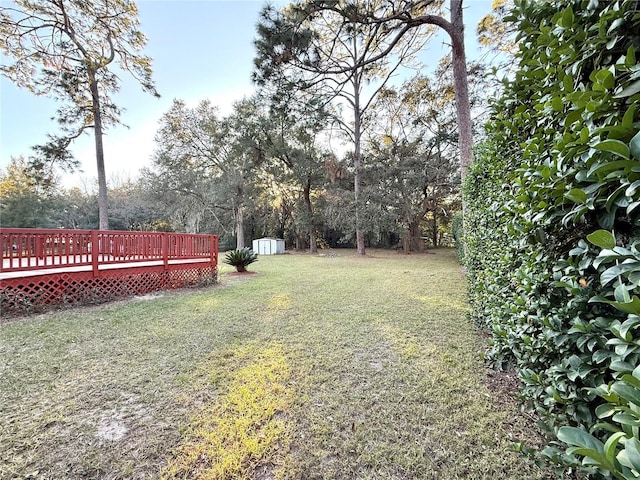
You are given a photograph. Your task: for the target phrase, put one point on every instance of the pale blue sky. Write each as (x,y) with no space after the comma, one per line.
(200,49)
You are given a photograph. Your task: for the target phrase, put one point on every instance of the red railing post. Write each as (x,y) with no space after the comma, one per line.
(165,250)
(39,246)
(95,250)
(7,251)
(165,259)
(214,250)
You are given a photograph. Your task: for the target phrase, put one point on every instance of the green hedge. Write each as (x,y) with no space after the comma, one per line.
(552,229)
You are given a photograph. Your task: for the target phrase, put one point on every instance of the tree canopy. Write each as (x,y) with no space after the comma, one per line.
(397,21)
(73,50)
(328,53)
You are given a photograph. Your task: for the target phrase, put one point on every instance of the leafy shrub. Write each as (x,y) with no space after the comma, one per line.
(241,258)
(618,277)
(623,409)
(559,172)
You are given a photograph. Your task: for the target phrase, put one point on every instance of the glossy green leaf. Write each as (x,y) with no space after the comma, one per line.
(605,410)
(604,168)
(629,115)
(611,199)
(629,90)
(602,239)
(615,24)
(620,293)
(605,78)
(628,307)
(628,324)
(584,134)
(611,444)
(631,380)
(567,83)
(632,189)
(568,18)
(621,365)
(629,393)
(612,42)
(630,58)
(630,456)
(580,438)
(614,146)
(612,273)
(557,104)
(576,195)
(634,145)
(627,419)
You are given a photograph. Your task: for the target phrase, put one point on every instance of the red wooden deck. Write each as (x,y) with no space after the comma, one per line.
(47,267)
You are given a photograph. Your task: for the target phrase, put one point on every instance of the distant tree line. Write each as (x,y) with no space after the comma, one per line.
(267,169)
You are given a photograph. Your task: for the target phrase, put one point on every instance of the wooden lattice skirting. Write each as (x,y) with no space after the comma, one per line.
(38,293)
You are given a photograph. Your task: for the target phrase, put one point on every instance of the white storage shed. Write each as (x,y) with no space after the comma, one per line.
(268,246)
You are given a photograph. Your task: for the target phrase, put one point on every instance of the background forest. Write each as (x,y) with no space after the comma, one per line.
(300,159)
(272,169)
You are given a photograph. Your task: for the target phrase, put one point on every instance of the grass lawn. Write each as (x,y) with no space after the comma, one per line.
(317,367)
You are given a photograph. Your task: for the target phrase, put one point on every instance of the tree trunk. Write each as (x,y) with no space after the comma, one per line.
(300,242)
(412,241)
(357,155)
(103,204)
(239,227)
(416,237)
(434,232)
(461,87)
(313,241)
(406,243)
(356,188)
(239,203)
(313,245)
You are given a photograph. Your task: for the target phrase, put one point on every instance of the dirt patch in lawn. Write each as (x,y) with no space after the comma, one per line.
(504,387)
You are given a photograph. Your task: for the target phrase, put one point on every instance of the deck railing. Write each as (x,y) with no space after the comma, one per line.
(42,249)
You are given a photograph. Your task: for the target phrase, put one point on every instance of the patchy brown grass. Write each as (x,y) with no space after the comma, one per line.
(382,377)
